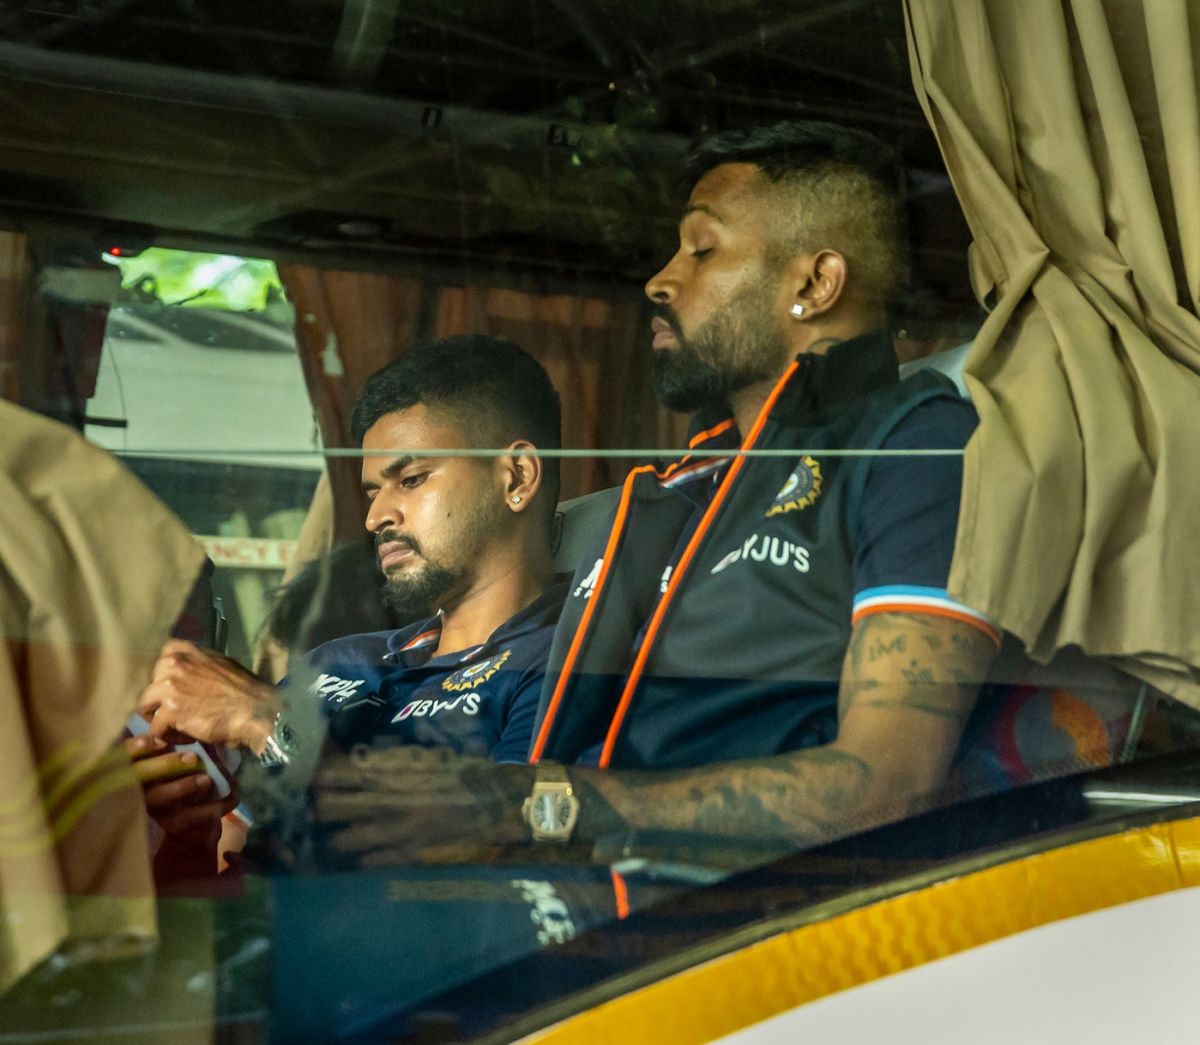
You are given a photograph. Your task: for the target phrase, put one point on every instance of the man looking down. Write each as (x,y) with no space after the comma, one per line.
(465,544)
(762,646)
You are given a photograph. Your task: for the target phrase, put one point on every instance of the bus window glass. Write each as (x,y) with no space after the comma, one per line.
(573,401)
(201,393)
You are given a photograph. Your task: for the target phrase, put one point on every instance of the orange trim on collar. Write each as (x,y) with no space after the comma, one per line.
(711,433)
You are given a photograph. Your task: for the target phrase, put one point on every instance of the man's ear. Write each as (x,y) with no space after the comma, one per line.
(816,283)
(523,471)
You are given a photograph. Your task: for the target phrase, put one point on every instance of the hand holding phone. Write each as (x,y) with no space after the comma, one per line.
(210,759)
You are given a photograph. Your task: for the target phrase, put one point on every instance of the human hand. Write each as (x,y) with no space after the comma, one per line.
(196,693)
(180,796)
(407,805)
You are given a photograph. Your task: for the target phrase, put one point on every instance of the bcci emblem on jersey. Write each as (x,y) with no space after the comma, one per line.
(475,674)
(802,488)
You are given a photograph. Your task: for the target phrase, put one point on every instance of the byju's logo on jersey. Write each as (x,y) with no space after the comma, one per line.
(467,703)
(802,488)
(475,674)
(761,548)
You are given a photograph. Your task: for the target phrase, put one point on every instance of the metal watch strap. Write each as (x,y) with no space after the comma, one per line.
(551,773)
(280,746)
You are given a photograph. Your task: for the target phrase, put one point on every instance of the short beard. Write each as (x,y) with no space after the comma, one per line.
(739,347)
(685,381)
(413,594)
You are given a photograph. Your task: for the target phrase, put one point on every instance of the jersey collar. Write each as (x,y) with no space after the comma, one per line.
(818,391)
(824,385)
(414,646)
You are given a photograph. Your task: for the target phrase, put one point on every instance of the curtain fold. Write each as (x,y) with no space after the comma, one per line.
(1071,130)
(348,325)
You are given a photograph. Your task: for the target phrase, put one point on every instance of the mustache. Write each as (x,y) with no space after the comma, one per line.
(661,310)
(396,537)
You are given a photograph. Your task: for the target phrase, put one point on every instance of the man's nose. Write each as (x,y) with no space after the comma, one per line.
(384,513)
(662,287)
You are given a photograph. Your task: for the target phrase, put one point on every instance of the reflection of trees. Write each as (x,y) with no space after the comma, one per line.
(225,281)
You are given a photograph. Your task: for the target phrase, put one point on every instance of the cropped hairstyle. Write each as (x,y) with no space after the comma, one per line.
(832,187)
(493,390)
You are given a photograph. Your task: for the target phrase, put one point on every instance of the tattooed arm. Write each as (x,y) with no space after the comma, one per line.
(908,685)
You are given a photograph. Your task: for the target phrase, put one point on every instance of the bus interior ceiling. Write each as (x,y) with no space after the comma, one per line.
(539,137)
(534,146)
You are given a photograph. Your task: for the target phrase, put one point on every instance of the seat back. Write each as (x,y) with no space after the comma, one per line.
(580,524)
(1043,721)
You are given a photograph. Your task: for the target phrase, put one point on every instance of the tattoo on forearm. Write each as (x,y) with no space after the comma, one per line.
(881,649)
(799,797)
(921,667)
(598,817)
(916,674)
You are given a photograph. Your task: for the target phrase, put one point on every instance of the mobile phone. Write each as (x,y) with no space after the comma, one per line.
(211,758)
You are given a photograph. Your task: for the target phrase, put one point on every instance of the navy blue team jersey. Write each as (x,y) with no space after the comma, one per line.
(385,688)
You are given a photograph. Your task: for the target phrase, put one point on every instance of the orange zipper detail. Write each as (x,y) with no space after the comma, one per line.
(620,894)
(680,570)
(564,676)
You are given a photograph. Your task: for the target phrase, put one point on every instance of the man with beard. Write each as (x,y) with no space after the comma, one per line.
(761,653)
(465,546)
(763,647)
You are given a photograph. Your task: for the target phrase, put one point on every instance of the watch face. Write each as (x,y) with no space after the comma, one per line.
(551,812)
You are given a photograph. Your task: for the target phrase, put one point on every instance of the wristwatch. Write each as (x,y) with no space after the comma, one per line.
(281,746)
(551,808)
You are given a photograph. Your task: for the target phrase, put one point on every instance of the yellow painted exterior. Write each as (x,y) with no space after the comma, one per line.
(813,961)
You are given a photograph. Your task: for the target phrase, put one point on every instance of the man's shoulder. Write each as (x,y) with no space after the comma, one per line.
(525,641)
(938,420)
(365,648)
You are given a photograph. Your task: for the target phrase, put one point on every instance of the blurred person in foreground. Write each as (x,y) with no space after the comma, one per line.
(82,610)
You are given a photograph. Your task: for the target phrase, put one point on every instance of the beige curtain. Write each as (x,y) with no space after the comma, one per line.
(93,573)
(348,325)
(1071,130)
